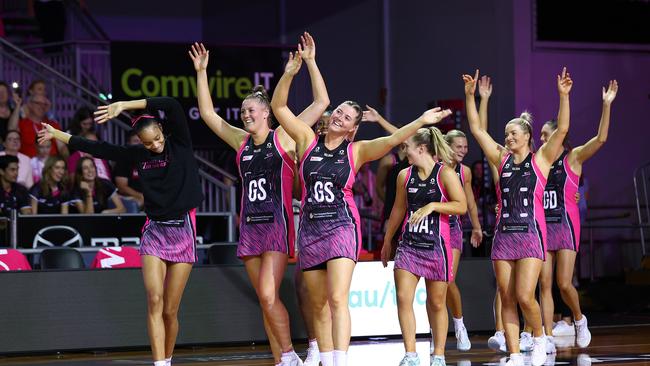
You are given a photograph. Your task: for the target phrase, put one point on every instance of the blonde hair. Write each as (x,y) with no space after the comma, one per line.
(451,135)
(525,121)
(435,142)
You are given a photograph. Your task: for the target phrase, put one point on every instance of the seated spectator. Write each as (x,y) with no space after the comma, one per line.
(50,196)
(36,112)
(12,146)
(81,122)
(127,180)
(9,114)
(38,161)
(103,169)
(92,194)
(14,195)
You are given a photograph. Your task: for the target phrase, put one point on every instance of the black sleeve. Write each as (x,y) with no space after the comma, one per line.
(22,197)
(109,188)
(123,169)
(104,150)
(176,123)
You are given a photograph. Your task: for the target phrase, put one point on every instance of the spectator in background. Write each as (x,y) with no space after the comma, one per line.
(127,180)
(50,195)
(38,161)
(9,114)
(82,122)
(36,112)
(92,194)
(37,87)
(12,146)
(103,169)
(14,195)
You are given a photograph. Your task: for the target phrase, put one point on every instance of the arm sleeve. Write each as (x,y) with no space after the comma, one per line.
(175,121)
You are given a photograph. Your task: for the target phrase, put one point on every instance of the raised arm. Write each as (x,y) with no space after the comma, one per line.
(485,91)
(371,115)
(488,145)
(586,151)
(456,204)
(299,131)
(307,51)
(552,148)
(232,135)
(396,217)
(477,232)
(98,149)
(15,114)
(365,151)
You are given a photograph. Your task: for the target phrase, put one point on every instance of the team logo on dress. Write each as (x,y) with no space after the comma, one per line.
(527,165)
(413,190)
(317,149)
(316,158)
(268,145)
(506,174)
(247,157)
(412,180)
(507,165)
(246,148)
(432,181)
(341,152)
(268,155)
(559,162)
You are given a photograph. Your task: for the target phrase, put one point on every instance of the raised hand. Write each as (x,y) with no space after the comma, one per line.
(435,115)
(421,214)
(105,113)
(610,94)
(564,82)
(307,47)
(199,56)
(293,64)
(484,87)
(370,114)
(470,83)
(45,134)
(17,99)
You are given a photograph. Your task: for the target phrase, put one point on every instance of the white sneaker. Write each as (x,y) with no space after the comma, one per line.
(550,345)
(516,359)
(313,357)
(550,360)
(563,328)
(498,342)
(410,361)
(583,335)
(437,361)
(462,340)
(583,360)
(564,342)
(525,342)
(538,355)
(291,360)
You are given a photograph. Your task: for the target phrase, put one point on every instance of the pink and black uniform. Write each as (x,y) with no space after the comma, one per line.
(560,206)
(329,219)
(170,184)
(455,224)
(521,227)
(425,249)
(267,173)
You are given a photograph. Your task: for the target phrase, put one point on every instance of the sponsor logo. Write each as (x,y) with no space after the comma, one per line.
(247,157)
(64,235)
(316,158)
(413,190)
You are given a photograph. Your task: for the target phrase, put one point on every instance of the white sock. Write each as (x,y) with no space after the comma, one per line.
(458,323)
(340,358)
(327,358)
(411,354)
(160,363)
(442,357)
(288,356)
(581,321)
(313,344)
(168,361)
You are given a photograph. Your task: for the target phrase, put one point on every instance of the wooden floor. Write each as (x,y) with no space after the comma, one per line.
(613,345)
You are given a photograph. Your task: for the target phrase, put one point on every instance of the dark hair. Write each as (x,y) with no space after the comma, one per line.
(357,108)
(13,131)
(553,124)
(100,195)
(80,115)
(259,93)
(46,179)
(525,121)
(34,82)
(5,160)
(2,83)
(143,121)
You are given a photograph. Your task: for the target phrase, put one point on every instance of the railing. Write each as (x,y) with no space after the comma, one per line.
(641,177)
